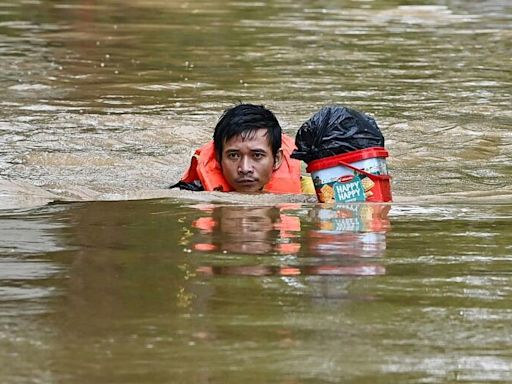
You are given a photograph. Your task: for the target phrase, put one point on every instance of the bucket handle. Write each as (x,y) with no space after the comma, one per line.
(362,171)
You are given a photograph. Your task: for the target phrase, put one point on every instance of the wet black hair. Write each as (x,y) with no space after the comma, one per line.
(244,120)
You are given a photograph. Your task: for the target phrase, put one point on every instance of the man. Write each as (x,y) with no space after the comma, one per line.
(248,154)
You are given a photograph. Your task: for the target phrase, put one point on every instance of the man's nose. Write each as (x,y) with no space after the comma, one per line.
(245,166)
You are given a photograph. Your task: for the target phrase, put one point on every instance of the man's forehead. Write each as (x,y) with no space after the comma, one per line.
(260,138)
(252,133)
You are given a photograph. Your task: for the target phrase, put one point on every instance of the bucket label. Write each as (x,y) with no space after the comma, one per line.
(349,189)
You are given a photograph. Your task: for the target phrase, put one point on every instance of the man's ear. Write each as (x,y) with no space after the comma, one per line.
(218,158)
(278,159)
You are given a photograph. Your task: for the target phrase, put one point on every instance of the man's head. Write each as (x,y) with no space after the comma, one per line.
(247,142)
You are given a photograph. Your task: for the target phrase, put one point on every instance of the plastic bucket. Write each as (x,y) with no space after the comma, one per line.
(351,177)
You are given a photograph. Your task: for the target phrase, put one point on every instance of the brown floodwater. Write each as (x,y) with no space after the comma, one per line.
(106,276)
(161,291)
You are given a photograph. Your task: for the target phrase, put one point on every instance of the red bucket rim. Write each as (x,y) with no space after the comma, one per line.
(349,157)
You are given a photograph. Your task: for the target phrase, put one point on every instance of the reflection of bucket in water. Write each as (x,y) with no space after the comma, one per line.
(354,176)
(354,218)
(350,230)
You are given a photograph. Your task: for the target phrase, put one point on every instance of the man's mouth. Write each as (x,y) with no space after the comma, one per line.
(246,181)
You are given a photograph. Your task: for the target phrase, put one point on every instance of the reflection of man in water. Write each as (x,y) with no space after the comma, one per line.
(251,230)
(249,153)
(247,229)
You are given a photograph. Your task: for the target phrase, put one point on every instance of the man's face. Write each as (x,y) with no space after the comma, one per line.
(247,162)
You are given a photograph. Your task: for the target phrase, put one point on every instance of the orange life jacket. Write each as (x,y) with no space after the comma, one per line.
(205,168)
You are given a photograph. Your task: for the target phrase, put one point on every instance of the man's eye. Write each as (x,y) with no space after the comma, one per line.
(233,156)
(259,156)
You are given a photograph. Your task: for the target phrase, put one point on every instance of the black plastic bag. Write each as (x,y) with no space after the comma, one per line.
(334,130)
